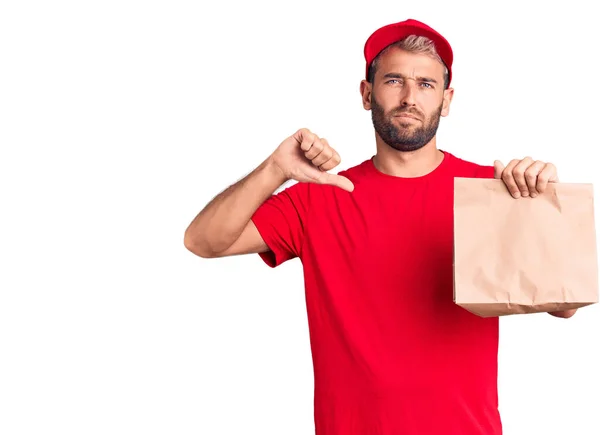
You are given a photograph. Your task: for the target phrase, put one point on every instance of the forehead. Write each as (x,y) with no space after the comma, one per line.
(410,64)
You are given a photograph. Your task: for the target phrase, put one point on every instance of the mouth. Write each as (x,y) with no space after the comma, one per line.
(406,116)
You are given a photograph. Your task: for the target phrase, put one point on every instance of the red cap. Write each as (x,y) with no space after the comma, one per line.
(391,33)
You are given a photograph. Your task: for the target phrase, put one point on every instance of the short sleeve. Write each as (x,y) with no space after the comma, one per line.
(281,221)
(485,172)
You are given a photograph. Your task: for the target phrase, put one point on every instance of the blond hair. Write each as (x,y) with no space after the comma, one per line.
(412,44)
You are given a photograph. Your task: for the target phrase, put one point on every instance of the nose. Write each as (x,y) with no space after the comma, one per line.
(407,98)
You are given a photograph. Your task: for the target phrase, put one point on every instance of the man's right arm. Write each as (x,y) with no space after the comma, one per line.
(224,227)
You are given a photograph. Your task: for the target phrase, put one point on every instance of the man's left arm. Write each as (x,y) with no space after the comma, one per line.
(564,314)
(529,178)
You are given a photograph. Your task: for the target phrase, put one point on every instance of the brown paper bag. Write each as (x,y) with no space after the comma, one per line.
(526,255)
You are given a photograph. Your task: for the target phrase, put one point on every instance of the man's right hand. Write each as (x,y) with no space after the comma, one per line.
(306,157)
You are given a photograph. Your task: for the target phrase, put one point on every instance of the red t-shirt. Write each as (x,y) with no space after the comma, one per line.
(392,353)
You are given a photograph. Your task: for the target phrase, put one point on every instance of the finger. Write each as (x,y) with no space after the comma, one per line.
(337,180)
(531,176)
(519,175)
(320,177)
(305,138)
(509,181)
(548,174)
(324,155)
(498,169)
(315,149)
(331,163)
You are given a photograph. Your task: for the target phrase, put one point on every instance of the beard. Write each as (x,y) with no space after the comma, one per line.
(407,137)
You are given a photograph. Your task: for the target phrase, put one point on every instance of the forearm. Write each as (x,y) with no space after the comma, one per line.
(223,219)
(564,314)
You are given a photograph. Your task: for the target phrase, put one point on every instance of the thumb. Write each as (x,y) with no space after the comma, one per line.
(336,180)
(498,169)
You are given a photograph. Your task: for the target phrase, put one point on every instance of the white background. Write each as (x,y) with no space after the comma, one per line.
(120,120)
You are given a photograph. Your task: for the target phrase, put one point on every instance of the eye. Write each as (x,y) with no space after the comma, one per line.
(393,80)
(426,85)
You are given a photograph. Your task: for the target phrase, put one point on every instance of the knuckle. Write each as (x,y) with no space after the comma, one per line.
(530,171)
(530,176)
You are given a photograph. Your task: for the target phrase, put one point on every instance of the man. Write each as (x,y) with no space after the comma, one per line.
(392,353)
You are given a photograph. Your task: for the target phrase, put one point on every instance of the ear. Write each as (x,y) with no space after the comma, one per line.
(365,90)
(448,94)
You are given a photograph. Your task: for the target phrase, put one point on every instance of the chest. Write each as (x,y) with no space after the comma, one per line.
(386,248)
(414,221)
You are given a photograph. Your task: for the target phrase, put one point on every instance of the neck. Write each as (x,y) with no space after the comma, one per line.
(407,164)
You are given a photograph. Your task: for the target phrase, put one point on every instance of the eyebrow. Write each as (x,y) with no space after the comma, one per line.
(400,76)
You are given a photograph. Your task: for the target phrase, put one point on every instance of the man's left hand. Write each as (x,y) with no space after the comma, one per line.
(525,177)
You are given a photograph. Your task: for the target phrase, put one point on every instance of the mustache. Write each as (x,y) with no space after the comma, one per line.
(407,110)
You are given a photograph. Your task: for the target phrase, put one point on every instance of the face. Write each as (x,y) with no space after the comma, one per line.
(407,99)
